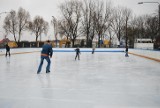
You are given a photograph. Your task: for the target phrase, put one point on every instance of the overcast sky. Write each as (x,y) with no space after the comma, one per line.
(49,8)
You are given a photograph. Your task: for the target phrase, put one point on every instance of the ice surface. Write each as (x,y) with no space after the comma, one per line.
(100,80)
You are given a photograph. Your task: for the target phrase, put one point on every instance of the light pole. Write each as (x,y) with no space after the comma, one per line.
(55,28)
(158,13)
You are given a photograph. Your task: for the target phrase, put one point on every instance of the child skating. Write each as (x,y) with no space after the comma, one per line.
(77,53)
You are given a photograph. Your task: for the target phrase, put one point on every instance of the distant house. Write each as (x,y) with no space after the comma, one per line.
(12,44)
(3,42)
(143,44)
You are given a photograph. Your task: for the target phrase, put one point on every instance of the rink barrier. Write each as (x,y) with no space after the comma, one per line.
(89,51)
(155,59)
(20,53)
(67,50)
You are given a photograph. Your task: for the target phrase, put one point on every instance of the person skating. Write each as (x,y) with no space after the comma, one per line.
(77,53)
(93,49)
(7,50)
(46,53)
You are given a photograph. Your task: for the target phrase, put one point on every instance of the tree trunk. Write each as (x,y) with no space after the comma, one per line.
(72,43)
(19,38)
(126,34)
(15,38)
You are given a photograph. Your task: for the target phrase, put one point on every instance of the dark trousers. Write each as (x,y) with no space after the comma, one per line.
(41,63)
(77,55)
(92,51)
(7,53)
(126,55)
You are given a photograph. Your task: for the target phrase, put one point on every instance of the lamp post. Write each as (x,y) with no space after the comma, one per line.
(158,13)
(55,28)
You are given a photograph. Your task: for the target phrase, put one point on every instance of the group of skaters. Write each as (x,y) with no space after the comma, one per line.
(47,52)
(78,52)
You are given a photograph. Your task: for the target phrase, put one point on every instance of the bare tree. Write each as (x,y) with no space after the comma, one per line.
(23,18)
(102,19)
(144,26)
(152,27)
(38,26)
(141,26)
(87,21)
(63,30)
(118,22)
(10,24)
(133,31)
(111,35)
(71,14)
(55,25)
(127,14)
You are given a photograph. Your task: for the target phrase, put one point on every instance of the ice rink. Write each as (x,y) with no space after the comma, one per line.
(100,80)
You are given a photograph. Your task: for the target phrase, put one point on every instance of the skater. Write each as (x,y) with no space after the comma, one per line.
(126,55)
(46,53)
(77,53)
(7,50)
(93,49)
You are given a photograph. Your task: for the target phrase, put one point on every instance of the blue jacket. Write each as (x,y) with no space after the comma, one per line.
(77,50)
(47,50)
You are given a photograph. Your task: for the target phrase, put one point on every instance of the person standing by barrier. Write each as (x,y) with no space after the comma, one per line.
(7,50)
(77,53)
(93,49)
(46,53)
(126,55)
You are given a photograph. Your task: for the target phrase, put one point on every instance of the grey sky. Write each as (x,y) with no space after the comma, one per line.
(49,8)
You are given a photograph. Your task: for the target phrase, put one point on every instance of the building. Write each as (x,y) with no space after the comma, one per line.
(143,44)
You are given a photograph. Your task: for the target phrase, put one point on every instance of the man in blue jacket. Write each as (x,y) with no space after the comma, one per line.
(46,53)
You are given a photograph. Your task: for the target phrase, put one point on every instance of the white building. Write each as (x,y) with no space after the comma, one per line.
(143,44)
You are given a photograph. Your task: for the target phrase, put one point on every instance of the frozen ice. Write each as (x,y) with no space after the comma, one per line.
(99,80)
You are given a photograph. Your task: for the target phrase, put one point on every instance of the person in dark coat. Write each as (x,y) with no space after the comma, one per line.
(126,55)
(7,50)
(46,53)
(77,53)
